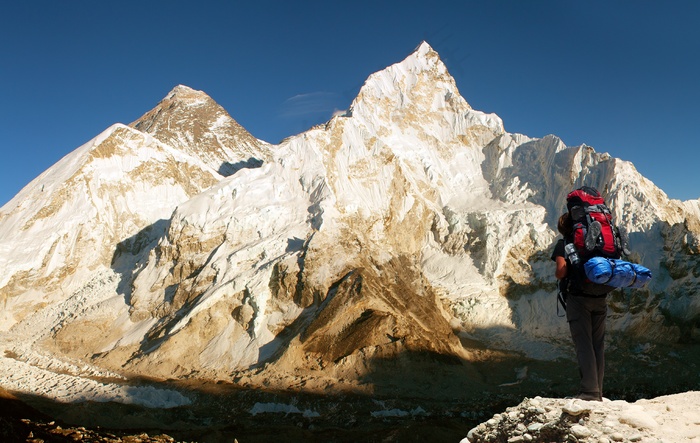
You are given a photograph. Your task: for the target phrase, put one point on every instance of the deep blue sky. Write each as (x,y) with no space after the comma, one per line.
(621,76)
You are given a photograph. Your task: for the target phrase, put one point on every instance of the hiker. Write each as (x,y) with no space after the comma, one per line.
(589,265)
(586,315)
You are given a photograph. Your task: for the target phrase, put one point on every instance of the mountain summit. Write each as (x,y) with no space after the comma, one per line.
(410,235)
(192,122)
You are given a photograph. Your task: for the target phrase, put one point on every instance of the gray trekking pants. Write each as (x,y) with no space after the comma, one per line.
(586,317)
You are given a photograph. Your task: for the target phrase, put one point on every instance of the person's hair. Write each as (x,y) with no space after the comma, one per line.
(564,226)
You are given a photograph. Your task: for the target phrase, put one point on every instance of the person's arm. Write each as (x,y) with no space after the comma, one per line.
(561,268)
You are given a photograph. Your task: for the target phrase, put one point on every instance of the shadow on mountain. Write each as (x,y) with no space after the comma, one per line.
(14,415)
(131,253)
(423,375)
(675,272)
(227,169)
(537,166)
(272,351)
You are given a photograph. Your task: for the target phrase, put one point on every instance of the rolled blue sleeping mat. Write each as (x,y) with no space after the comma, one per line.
(598,270)
(617,273)
(643,276)
(623,274)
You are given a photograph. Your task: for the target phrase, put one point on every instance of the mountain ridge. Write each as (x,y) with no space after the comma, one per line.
(410,232)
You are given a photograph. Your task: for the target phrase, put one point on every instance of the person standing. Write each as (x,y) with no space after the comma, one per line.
(585,313)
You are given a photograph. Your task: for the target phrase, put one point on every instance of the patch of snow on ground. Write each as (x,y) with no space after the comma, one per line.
(21,377)
(418,411)
(280,408)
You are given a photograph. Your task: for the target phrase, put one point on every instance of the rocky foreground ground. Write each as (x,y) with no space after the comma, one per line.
(22,423)
(668,419)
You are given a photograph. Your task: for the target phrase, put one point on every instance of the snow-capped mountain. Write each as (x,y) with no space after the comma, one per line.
(190,121)
(411,228)
(70,220)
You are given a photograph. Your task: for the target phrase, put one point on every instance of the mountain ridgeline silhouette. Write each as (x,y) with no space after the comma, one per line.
(401,250)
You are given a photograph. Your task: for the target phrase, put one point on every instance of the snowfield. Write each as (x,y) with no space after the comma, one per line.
(27,379)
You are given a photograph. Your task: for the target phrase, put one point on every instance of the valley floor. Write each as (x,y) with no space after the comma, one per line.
(667,419)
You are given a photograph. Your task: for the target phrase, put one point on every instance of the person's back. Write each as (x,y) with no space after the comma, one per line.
(585,313)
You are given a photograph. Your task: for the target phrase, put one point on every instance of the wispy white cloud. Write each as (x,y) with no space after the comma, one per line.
(311,104)
(338,112)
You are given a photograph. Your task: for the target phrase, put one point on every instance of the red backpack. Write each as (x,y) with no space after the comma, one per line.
(594,232)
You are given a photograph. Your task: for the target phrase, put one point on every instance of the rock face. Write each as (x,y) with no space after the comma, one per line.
(411,230)
(669,418)
(191,122)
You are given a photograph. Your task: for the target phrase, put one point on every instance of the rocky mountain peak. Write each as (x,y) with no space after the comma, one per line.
(185,93)
(193,122)
(417,102)
(421,73)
